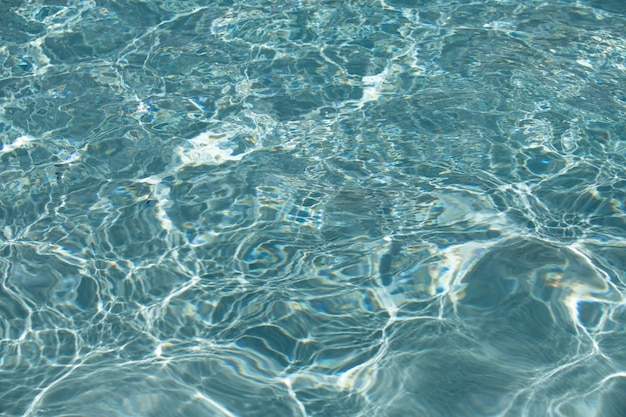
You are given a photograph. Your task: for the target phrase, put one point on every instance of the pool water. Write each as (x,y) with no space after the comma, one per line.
(313,208)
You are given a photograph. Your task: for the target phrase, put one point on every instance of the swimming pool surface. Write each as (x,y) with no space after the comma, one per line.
(313,208)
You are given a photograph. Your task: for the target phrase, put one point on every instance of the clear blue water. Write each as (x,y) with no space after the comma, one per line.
(313,208)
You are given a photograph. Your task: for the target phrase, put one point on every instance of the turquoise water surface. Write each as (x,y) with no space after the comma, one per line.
(313,208)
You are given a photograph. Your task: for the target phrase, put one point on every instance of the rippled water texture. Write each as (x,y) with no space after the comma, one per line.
(313,208)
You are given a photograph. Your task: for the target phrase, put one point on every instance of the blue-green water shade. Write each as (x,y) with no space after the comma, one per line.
(297,208)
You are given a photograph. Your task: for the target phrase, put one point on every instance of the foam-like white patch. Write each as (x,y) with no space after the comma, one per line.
(373,86)
(208,148)
(217,146)
(20,142)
